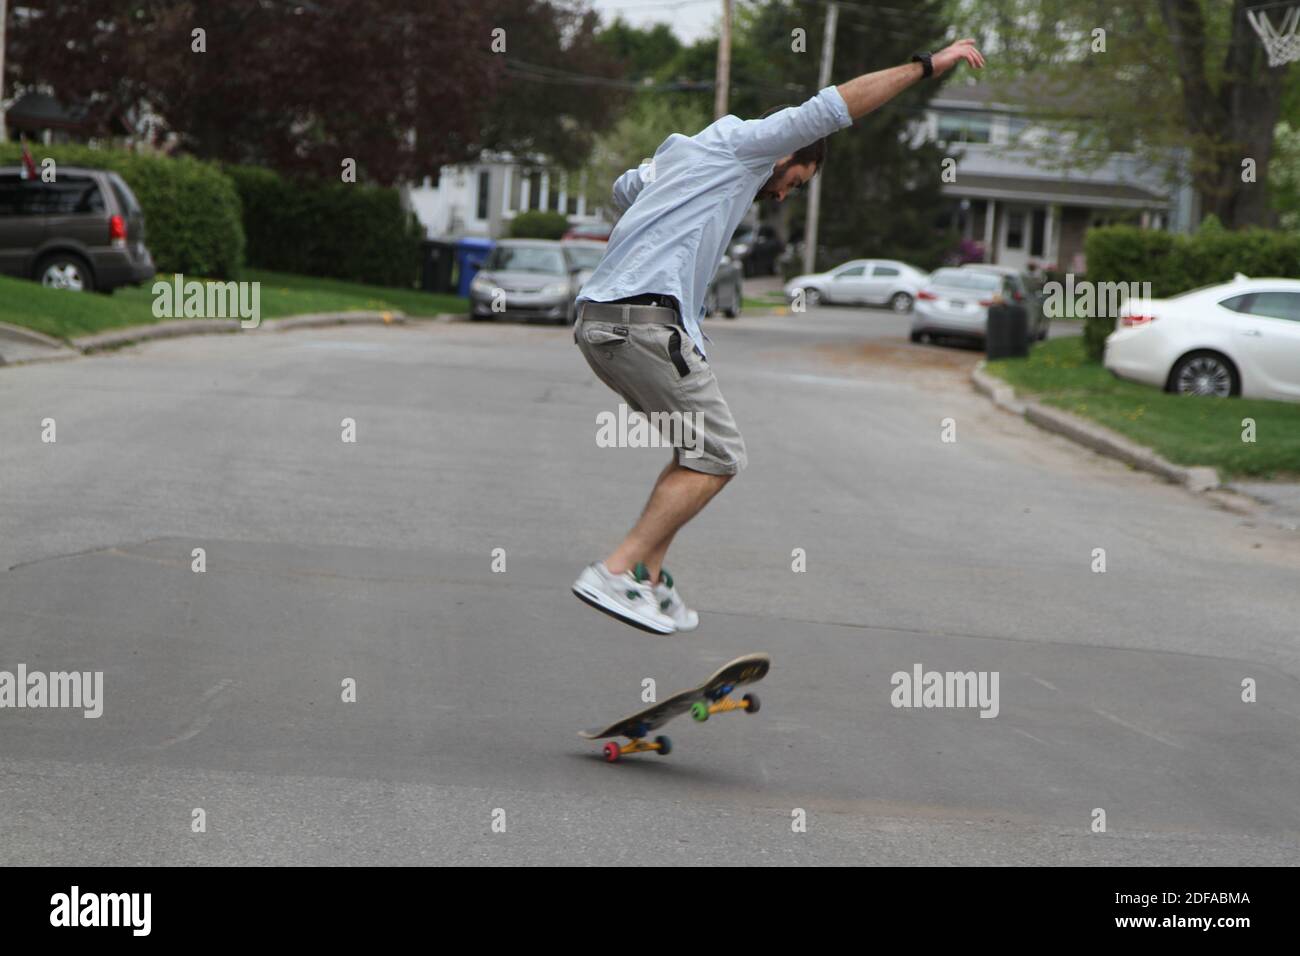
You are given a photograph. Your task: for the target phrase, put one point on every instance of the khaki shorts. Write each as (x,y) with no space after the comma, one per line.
(658,372)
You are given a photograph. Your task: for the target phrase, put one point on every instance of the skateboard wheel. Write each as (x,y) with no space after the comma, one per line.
(612,751)
(700,710)
(665,746)
(752,703)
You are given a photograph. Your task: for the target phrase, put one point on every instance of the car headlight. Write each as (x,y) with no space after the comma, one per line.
(555,288)
(480,284)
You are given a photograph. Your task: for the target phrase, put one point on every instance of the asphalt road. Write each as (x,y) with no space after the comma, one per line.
(371,562)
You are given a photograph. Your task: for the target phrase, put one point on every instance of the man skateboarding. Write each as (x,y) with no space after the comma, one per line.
(638,314)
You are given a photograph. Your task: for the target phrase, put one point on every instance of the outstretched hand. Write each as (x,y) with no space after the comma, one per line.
(950,56)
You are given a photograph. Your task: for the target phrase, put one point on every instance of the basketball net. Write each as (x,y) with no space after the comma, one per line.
(1280,43)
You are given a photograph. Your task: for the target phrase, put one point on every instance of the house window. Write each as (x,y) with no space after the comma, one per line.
(1015,230)
(553,194)
(484,178)
(964,127)
(535,189)
(1039,229)
(516,191)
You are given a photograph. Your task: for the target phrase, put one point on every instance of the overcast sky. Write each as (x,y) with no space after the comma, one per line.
(690,19)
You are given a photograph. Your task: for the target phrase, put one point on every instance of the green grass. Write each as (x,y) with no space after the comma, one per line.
(1185,430)
(69,314)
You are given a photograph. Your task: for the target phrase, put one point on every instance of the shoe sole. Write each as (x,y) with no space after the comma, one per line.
(587,599)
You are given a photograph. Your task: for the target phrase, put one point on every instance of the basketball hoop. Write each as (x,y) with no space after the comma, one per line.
(1280,43)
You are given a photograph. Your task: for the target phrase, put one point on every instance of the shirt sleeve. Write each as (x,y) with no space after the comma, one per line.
(763,141)
(628,186)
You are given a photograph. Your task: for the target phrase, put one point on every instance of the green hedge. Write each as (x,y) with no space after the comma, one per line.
(539,224)
(336,230)
(1176,263)
(191,209)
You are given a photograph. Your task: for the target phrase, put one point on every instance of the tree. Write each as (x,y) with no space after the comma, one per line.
(402,87)
(1149,77)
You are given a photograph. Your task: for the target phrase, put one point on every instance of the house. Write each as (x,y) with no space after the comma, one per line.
(479,199)
(1018,193)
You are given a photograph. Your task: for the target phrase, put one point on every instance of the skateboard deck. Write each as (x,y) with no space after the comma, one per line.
(703,701)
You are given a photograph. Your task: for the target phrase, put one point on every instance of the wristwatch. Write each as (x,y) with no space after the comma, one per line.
(924,60)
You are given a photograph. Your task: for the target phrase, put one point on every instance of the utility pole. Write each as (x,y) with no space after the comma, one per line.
(3,16)
(722,82)
(815,194)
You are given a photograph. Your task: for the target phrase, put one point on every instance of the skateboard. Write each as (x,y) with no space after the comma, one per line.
(702,702)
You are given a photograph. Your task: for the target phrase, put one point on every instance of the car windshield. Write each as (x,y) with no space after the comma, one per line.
(585,257)
(526,259)
(966,279)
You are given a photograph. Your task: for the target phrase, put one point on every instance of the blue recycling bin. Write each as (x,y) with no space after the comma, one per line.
(470,256)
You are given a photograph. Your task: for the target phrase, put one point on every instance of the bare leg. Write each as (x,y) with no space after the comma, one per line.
(678,496)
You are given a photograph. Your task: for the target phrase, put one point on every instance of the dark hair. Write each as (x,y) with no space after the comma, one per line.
(814,152)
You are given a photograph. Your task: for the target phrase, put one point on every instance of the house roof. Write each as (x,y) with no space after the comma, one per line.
(1057,190)
(1022,94)
(35,110)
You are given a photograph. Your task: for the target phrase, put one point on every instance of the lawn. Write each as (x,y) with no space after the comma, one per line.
(70,314)
(1185,430)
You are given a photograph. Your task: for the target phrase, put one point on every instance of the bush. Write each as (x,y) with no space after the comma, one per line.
(336,230)
(1176,263)
(538,224)
(191,209)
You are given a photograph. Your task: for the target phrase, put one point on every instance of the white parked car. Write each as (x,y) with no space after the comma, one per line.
(1237,338)
(956,302)
(861,282)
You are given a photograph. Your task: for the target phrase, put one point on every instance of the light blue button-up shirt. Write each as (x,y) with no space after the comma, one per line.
(681,209)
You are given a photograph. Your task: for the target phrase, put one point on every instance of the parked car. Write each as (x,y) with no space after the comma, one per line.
(757,250)
(1027,290)
(596,231)
(584,254)
(861,282)
(84,231)
(956,301)
(726,291)
(1235,338)
(534,279)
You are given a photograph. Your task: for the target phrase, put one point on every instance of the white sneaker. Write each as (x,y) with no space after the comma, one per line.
(624,597)
(671,603)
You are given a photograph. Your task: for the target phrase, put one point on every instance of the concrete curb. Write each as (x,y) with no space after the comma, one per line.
(1096,437)
(115,338)
(29,335)
(322,319)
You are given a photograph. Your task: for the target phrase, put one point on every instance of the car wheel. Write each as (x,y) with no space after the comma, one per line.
(812,297)
(64,270)
(1204,373)
(901,302)
(916,336)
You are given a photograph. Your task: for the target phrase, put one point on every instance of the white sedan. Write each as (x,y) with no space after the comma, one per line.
(861,282)
(1237,338)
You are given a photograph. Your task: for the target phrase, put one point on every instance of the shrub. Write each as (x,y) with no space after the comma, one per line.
(538,224)
(1178,263)
(191,209)
(337,230)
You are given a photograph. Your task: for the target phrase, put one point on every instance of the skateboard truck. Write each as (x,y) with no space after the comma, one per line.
(720,703)
(636,745)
